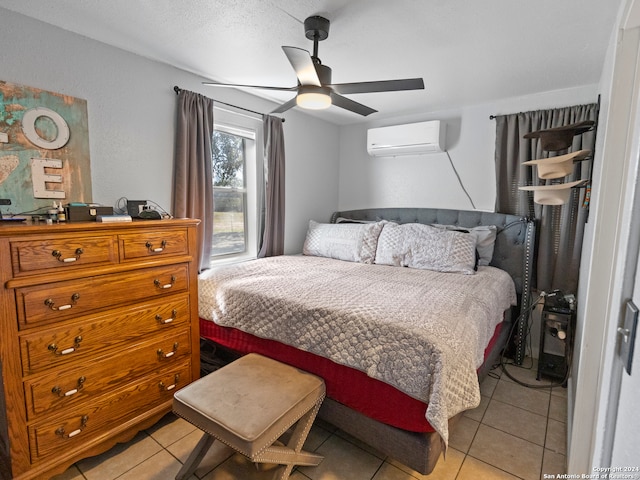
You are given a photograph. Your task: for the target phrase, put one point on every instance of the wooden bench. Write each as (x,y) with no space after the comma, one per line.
(248,405)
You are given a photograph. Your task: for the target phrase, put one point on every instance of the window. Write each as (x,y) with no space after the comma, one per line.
(229,194)
(236,178)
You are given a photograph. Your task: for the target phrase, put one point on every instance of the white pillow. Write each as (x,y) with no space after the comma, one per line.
(421,246)
(485,239)
(353,242)
(391,249)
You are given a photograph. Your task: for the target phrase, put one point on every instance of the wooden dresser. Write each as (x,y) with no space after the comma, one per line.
(98,328)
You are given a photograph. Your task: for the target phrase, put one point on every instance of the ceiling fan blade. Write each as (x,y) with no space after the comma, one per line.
(379,86)
(348,104)
(233,85)
(285,106)
(301,62)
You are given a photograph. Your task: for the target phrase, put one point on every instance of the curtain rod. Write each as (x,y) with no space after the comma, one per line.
(491,117)
(177,89)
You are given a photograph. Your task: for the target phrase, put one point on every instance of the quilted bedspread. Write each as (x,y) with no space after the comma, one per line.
(423,332)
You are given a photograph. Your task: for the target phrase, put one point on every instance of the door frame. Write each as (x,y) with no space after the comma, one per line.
(598,373)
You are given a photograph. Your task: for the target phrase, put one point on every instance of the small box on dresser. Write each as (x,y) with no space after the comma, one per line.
(86,213)
(98,328)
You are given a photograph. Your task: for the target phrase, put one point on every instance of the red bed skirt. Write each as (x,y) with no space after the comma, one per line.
(353,388)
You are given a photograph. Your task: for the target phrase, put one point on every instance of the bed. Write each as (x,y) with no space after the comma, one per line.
(400,366)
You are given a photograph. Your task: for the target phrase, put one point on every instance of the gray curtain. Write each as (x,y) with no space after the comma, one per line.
(193,172)
(560,227)
(273,234)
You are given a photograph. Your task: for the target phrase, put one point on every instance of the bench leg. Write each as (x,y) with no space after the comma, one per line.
(292,454)
(195,457)
(286,456)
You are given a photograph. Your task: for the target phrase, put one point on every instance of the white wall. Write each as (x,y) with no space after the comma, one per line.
(429,180)
(131,109)
(311,176)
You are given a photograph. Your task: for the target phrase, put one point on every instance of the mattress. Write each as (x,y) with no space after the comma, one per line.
(422,332)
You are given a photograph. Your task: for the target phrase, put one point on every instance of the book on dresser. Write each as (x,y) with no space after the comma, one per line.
(99,328)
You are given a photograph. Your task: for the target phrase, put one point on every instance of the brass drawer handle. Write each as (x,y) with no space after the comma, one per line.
(83,423)
(58,255)
(161,354)
(159,249)
(167,320)
(58,391)
(52,305)
(159,284)
(54,348)
(168,388)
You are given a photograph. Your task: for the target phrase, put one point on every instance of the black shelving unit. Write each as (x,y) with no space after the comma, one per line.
(556,339)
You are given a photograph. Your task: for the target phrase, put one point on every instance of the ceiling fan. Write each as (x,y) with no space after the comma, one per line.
(315,90)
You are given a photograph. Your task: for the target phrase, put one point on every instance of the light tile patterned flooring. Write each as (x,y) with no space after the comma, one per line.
(515,433)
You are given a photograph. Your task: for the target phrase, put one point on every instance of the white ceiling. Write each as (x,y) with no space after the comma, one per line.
(467,51)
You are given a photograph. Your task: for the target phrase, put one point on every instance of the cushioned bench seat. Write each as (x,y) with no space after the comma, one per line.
(248,405)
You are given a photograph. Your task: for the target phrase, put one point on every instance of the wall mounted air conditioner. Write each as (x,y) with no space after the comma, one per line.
(410,139)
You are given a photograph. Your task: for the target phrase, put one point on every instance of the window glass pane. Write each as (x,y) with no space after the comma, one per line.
(228,160)
(229,194)
(228,222)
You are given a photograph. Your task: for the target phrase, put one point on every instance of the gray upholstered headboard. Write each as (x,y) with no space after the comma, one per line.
(514,247)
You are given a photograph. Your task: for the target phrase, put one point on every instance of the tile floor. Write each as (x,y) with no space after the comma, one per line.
(515,433)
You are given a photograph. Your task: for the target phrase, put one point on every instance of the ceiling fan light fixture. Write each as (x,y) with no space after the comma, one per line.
(314,98)
(315,90)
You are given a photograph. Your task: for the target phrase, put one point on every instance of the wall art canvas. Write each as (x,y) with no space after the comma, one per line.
(44,149)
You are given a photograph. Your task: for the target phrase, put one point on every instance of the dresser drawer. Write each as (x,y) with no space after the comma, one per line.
(153,244)
(58,301)
(63,389)
(84,423)
(87,337)
(42,255)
